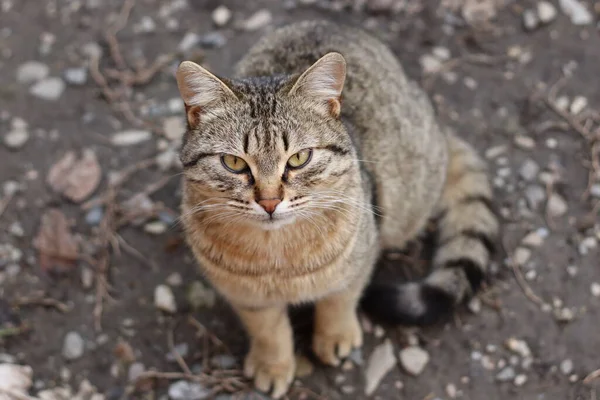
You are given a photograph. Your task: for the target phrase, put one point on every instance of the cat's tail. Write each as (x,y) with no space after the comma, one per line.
(468,229)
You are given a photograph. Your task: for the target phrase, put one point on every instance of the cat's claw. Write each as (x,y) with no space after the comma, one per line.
(273,378)
(335,342)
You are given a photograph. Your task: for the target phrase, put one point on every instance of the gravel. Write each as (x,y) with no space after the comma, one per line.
(75,76)
(258,20)
(221,16)
(183,390)
(16,139)
(530,20)
(578,12)
(414,360)
(130,137)
(380,362)
(529,170)
(73,346)
(164,299)
(48,89)
(546,12)
(566,367)
(557,206)
(595,289)
(32,71)
(507,374)
(578,105)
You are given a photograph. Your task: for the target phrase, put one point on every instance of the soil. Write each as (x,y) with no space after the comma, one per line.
(492,100)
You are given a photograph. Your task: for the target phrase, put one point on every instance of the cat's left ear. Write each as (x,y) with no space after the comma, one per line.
(322,84)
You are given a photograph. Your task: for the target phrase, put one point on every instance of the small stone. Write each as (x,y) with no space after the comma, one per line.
(94,216)
(557,206)
(546,12)
(381,361)
(495,151)
(199,295)
(476,355)
(16,229)
(521,256)
(16,139)
(531,275)
(518,346)
(304,367)
(551,143)
(146,25)
(527,363)
(573,378)
(562,103)
(135,371)
(566,367)
(507,374)
(221,16)
(73,346)
(530,20)
(451,390)
(155,228)
(524,142)
(182,349)
(258,20)
(75,76)
(575,10)
(378,331)
(223,361)
(174,128)
(190,40)
(183,390)
(470,82)
(595,190)
(535,196)
(533,239)
(529,170)
(572,270)
(175,279)
(442,53)
(414,359)
(520,380)
(564,315)
(130,137)
(164,299)
(487,363)
(491,348)
(595,289)
(475,305)
(48,89)
(87,277)
(32,71)
(213,40)
(578,104)
(587,244)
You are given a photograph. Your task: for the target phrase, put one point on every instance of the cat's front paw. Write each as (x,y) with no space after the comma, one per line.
(272,375)
(334,340)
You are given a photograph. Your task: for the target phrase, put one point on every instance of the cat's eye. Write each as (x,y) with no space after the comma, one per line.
(233,163)
(300,159)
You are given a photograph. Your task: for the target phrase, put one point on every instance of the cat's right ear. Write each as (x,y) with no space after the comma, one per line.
(200,90)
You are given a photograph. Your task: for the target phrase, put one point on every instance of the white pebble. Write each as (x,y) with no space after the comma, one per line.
(495,151)
(164,299)
(190,40)
(524,142)
(578,12)
(520,380)
(572,270)
(546,12)
(562,103)
(551,143)
(130,137)
(258,20)
(566,367)
(48,89)
(32,71)
(521,256)
(518,346)
(221,16)
(451,390)
(155,228)
(380,362)
(533,239)
(414,359)
(556,206)
(530,20)
(430,64)
(595,289)
(73,346)
(578,104)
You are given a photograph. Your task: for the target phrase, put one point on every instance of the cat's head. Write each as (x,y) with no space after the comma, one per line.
(267,150)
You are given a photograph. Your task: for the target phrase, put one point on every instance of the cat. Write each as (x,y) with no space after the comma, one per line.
(298,172)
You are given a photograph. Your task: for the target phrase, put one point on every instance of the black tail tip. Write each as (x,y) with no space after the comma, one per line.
(407,304)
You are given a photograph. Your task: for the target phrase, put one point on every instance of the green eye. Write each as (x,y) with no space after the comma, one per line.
(300,159)
(233,164)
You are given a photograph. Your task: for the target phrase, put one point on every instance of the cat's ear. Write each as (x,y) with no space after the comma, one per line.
(322,83)
(200,90)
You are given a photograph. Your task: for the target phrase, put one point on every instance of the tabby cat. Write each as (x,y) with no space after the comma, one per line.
(302,169)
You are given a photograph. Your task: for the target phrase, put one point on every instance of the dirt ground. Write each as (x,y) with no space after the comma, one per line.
(525,95)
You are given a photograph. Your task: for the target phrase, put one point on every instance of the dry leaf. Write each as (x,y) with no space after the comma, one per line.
(75,179)
(57,246)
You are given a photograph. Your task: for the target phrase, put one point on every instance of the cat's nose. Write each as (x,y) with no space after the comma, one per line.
(269,205)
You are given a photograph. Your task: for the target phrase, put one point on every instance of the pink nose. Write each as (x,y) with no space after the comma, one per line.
(269,204)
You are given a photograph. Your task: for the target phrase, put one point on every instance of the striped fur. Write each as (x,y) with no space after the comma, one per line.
(467,234)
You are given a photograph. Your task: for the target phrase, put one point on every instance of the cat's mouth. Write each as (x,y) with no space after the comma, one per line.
(276,221)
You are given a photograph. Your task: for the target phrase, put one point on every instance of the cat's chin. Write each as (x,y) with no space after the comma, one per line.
(276,223)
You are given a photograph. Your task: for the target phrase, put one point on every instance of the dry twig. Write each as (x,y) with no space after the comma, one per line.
(42,301)
(592,376)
